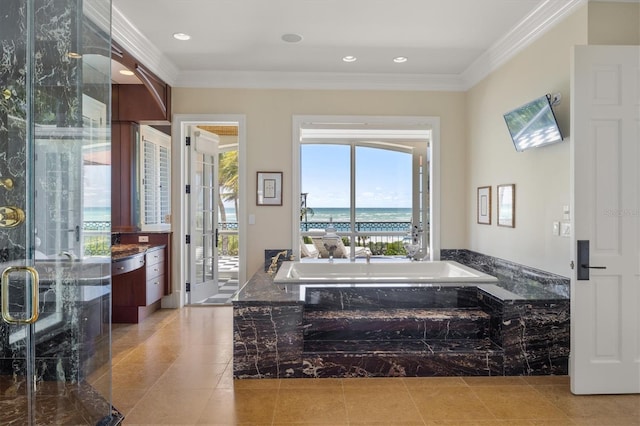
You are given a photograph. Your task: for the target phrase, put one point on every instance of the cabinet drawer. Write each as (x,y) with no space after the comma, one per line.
(155,289)
(155,256)
(154,270)
(127,265)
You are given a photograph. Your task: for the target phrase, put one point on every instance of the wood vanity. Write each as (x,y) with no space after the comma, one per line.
(139,279)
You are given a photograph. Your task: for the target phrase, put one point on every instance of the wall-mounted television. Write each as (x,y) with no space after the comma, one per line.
(534,124)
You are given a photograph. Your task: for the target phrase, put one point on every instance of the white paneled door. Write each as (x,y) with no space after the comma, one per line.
(605,158)
(203,215)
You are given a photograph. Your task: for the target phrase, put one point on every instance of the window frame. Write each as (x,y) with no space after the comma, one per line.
(406,123)
(160,141)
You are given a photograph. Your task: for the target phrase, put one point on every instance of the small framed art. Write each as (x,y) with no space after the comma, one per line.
(269,189)
(484,205)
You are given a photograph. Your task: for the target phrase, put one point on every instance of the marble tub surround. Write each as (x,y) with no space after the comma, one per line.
(354,330)
(525,281)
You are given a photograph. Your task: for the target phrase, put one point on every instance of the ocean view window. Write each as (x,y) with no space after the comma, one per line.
(373,189)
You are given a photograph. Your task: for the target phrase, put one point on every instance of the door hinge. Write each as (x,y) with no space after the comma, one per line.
(187,239)
(188,286)
(187,141)
(187,189)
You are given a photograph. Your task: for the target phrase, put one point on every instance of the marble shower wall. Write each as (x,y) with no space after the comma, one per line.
(41,92)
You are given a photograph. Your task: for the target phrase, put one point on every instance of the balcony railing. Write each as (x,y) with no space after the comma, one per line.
(382,238)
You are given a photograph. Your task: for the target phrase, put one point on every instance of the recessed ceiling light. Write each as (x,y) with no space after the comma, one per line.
(400,59)
(291,38)
(349,58)
(181,36)
(126,72)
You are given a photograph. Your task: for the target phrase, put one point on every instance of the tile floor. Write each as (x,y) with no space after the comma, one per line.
(176,368)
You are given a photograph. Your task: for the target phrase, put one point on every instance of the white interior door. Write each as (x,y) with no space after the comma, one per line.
(203,216)
(605,306)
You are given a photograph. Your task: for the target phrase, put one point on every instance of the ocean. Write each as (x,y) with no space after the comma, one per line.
(320,214)
(368,214)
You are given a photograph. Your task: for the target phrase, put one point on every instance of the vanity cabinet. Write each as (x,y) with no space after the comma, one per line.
(154,275)
(138,284)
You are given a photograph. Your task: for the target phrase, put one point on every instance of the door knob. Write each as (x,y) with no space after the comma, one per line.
(11,216)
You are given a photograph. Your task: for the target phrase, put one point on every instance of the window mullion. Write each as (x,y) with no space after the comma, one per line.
(352,230)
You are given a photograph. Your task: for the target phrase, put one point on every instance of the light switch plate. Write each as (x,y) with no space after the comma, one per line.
(143,239)
(565,229)
(556,229)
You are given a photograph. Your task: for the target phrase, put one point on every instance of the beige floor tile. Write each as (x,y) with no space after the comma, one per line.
(547,380)
(319,406)
(266,384)
(585,407)
(386,423)
(205,354)
(228,406)
(478,423)
(384,405)
(620,421)
(494,381)
(517,403)
(393,382)
(186,376)
(226,380)
(431,382)
(124,399)
(335,384)
(138,376)
(176,406)
(176,368)
(454,403)
(144,354)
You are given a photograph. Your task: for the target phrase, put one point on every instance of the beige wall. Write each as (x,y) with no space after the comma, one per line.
(476,147)
(541,175)
(269,123)
(614,23)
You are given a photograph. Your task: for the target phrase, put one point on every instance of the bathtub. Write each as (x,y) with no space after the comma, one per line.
(378,272)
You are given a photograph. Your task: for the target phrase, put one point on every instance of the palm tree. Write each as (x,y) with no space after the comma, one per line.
(228,186)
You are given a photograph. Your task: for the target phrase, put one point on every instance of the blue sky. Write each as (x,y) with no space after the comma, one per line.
(383,177)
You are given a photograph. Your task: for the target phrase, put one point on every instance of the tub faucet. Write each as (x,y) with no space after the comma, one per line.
(274,262)
(69,255)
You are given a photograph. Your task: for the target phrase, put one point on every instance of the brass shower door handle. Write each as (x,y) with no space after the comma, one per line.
(11,216)
(35,288)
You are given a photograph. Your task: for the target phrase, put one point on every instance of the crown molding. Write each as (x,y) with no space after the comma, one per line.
(134,42)
(539,21)
(318,80)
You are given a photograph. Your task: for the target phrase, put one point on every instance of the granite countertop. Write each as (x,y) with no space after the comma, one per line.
(123,251)
(260,289)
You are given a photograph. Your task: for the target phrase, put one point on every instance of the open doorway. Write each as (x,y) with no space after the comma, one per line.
(213,254)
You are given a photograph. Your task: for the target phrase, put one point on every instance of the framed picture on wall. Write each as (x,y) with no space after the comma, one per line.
(269,189)
(484,205)
(507,205)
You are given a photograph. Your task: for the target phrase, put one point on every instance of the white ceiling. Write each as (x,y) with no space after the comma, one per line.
(449,44)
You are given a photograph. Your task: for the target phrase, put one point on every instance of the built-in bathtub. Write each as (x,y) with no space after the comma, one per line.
(397,272)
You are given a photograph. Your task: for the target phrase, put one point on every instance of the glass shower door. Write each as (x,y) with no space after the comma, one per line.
(55,357)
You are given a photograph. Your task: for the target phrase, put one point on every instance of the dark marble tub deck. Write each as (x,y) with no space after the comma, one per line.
(517,326)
